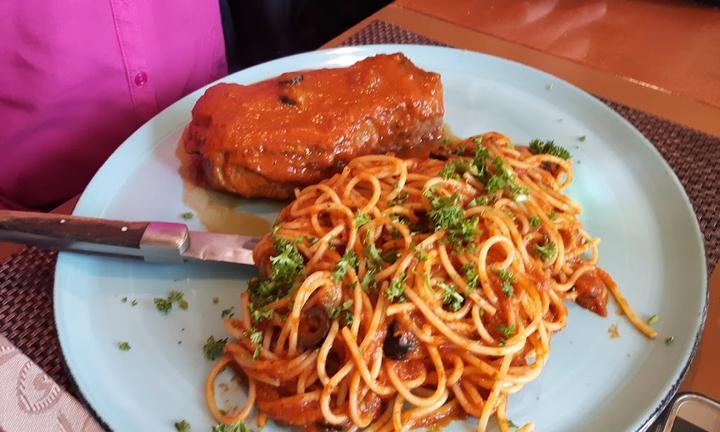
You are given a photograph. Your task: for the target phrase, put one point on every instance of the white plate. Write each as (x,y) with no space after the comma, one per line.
(631,199)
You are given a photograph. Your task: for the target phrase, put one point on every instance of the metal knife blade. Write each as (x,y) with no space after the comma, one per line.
(220,247)
(153,241)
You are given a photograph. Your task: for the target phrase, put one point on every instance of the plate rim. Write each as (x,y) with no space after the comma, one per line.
(83,204)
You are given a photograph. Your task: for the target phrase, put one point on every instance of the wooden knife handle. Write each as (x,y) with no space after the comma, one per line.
(70,228)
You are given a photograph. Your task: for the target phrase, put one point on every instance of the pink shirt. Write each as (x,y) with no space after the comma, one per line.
(78,77)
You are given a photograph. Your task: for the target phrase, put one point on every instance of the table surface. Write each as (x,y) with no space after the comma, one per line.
(661,57)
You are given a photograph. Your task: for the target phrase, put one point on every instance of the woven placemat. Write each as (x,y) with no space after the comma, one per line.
(26,278)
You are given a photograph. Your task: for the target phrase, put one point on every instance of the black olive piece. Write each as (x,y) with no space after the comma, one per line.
(314,326)
(397,342)
(297,79)
(287,100)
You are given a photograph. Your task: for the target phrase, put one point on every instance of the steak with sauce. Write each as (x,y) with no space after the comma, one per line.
(265,139)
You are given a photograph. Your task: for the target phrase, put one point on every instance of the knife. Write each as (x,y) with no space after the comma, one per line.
(164,242)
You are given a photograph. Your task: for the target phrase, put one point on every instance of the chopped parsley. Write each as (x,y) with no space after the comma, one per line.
(452,299)
(549,147)
(503,180)
(182,426)
(214,348)
(187,215)
(448,215)
(511,424)
(343,313)
(507,279)
(134,302)
(348,261)
(399,199)
(374,258)
(471,276)
(396,290)
(163,305)
(215,300)
(669,340)
(534,221)
(547,251)
(368,281)
(227,313)
(285,267)
(454,169)
(257,315)
(361,219)
(123,346)
(506,331)
(123,300)
(582,138)
(653,320)
(478,201)
(237,427)
(256,337)
(420,252)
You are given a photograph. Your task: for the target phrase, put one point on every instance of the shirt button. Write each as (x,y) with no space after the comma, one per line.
(140,79)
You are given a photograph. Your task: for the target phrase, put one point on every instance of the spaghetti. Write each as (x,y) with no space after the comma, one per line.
(404,293)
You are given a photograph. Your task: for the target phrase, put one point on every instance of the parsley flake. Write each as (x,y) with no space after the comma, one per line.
(182,426)
(547,251)
(471,275)
(342,312)
(507,279)
(396,290)
(214,348)
(548,147)
(123,346)
(187,215)
(163,305)
(452,299)
(237,427)
(361,219)
(348,261)
(653,320)
(669,340)
(534,221)
(506,331)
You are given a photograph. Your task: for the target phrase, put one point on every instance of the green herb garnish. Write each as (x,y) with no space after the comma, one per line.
(361,219)
(534,221)
(549,147)
(187,215)
(506,331)
(182,426)
(452,299)
(227,313)
(471,276)
(123,346)
(507,279)
(348,261)
(163,305)
(256,337)
(342,312)
(547,251)
(653,320)
(257,315)
(669,340)
(214,348)
(396,290)
(237,427)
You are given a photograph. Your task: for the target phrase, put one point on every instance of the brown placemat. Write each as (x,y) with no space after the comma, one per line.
(26,278)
